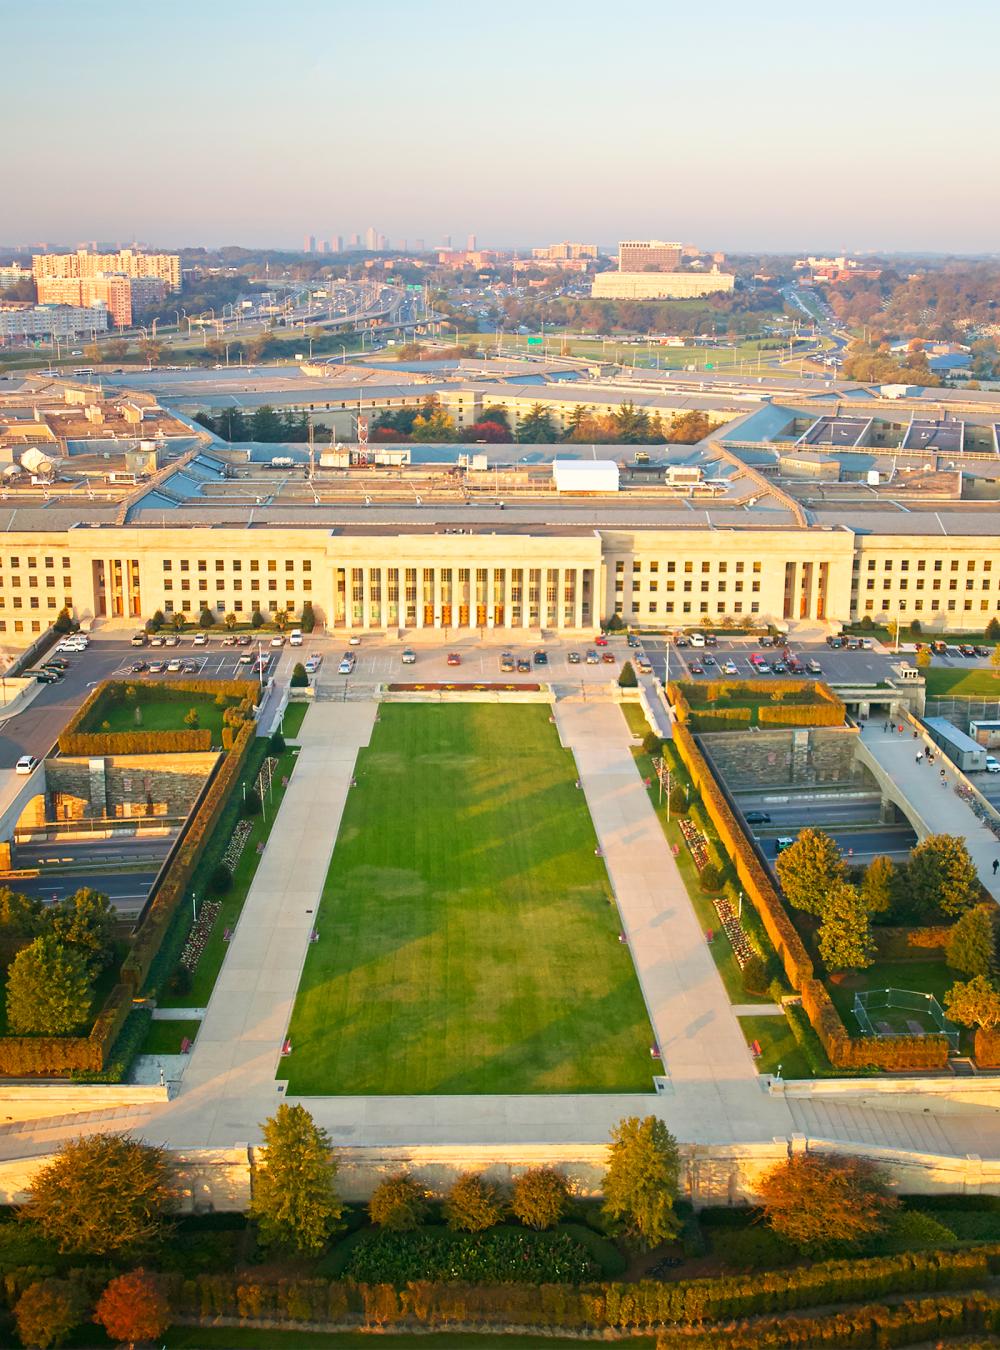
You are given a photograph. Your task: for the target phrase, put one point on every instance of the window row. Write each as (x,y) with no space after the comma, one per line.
(236,565)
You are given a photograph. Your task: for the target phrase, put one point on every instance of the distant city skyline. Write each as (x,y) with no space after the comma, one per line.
(745,130)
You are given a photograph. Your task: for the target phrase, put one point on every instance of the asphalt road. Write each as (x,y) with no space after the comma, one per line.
(125,890)
(862,846)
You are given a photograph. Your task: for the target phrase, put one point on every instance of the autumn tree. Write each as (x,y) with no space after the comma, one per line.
(133,1308)
(640,1185)
(974,1003)
(399,1204)
(845,940)
(295,1201)
(49,989)
(540,1197)
(103,1194)
(819,1202)
(86,921)
(941,877)
(473,1204)
(971,945)
(808,870)
(21,916)
(878,886)
(47,1312)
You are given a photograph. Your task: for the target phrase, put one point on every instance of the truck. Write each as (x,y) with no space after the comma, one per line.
(282,462)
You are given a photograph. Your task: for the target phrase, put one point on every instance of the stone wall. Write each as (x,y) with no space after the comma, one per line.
(711,1174)
(117,785)
(798,757)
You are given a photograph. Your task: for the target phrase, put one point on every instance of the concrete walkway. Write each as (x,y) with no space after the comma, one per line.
(229,1085)
(942,808)
(705,1058)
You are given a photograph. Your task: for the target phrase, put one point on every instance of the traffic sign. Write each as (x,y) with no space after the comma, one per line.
(534,342)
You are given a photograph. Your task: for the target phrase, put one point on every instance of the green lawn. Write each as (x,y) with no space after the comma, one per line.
(160,712)
(778,1046)
(930,977)
(291,723)
(214,954)
(164,1038)
(466,940)
(977,683)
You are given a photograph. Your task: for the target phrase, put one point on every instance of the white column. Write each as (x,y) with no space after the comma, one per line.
(561,599)
(489,594)
(578,575)
(436,591)
(383,590)
(418,573)
(508,595)
(365,598)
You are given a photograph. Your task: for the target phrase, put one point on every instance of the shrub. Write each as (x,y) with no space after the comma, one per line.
(251,803)
(540,1197)
(299,680)
(398,1204)
(756,1248)
(652,744)
(678,800)
(257,619)
(755,975)
(133,1307)
(987,1049)
(627,679)
(308,620)
(472,1204)
(502,1256)
(275,743)
(816,1201)
(47,1312)
(710,878)
(971,945)
(221,880)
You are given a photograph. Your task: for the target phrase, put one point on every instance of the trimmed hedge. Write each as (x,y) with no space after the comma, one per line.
(643,1306)
(987,1049)
(828,712)
(867,1052)
(168,897)
(74,741)
(908,944)
(753,878)
(25,1055)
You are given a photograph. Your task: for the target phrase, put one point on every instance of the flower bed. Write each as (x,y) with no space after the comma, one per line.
(236,845)
(733,930)
(695,840)
(199,934)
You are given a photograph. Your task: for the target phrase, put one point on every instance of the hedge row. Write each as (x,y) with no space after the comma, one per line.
(171,890)
(135,742)
(623,1307)
(114,691)
(24,1055)
(864,1052)
(988,1049)
(753,878)
(799,715)
(902,944)
(828,712)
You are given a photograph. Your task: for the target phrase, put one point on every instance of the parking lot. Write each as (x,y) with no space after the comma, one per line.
(839,666)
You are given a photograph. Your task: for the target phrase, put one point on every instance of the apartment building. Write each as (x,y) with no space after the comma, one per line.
(165,267)
(565,252)
(44,321)
(641,255)
(124,297)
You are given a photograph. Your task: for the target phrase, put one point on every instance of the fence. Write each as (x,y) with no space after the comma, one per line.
(961,709)
(872,1000)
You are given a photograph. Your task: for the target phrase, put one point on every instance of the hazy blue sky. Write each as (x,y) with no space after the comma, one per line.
(737,125)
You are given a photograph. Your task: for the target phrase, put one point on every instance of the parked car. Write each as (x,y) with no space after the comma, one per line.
(992,764)
(507,661)
(454,659)
(156,640)
(200,640)
(244,640)
(171,640)
(354,640)
(138,639)
(229,641)
(26,764)
(696,669)
(573,658)
(592,658)
(709,659)
(643,665)
(346,666)
(58,663)
(156,667)
(189,667)
(757,818)
(244,659)
(174,665)
(295,637)
(409,656)
(523,665)
(632,640)
(541,658)
(278,641)
(601,640)
(138,667)
(608,658)
(730,668)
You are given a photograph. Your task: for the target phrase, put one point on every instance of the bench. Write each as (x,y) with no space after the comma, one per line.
(227,935)
(185,1045)
(755,1050)
(286,1048)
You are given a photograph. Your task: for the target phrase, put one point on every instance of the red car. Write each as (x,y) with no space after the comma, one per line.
(454,659)
(600,640)
(608,658)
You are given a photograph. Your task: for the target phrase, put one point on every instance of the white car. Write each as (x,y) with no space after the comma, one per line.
(26,764)
(409,656)
(354,640)
(278,641)
(174,665)
(992,764)
(199,640)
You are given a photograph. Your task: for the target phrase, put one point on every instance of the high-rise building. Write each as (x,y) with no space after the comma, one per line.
(371,239)
(420,246)
(165,267)
(123,297)
(565,252)
(309,243)
(648,255)
(321,246)
(355,241)
(470,243)
(337,244)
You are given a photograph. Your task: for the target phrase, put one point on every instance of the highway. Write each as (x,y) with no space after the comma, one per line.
(126,890)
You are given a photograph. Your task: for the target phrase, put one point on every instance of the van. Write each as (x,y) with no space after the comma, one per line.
(295,637)
(697,639)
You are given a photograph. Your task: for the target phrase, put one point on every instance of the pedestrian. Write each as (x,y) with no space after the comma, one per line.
(901,729)
(996,865)
(919,757)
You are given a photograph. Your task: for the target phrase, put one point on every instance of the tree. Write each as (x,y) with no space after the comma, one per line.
(818,1202)
(540,1198)
(499,416)
(281,620)
(971,945)
(21,916)
(473,1204)
(845,939)
(86,920)
(230,621)
(754,975)
(627,679)
(308,620)
(156,622)
(179,620)
(64,622)
(640,1184)
(275,743)
(47,1312)
(941,877)
(206,618)
(191,718)
(995,662)
(133,1308)
(221,879)
(923,658)
(257,619)
(878,887)
(993,629)
(808,869)
(299,678)
(295,1201)
(266,424)
(49,989)
(490,432)
(710,878)
(103,1194)
(974,1003)
(537,427)
(399,1204)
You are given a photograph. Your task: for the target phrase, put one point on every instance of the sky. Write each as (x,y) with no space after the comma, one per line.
(768,126)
